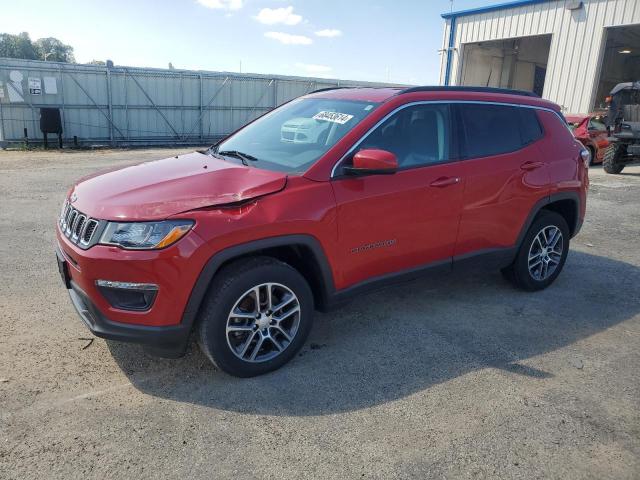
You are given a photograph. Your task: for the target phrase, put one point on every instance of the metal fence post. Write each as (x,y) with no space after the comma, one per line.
(64,113)
(182,127)
(3,137)
(126,104)
(109,104)
(213,97)
(201,125)
(275,93)
(155,107)
(108,117)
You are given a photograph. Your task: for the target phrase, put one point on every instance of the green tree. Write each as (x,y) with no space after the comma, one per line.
(54,50)
(21,46)
(17,46)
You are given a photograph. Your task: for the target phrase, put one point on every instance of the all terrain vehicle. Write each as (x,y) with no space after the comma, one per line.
(623,124)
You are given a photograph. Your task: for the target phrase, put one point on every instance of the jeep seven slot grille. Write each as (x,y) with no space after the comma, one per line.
(76,226)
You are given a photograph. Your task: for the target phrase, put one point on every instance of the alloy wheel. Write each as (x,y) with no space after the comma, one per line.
(263,322)
(545,253)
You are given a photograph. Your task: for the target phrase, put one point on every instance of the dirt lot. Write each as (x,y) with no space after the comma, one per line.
(459,378)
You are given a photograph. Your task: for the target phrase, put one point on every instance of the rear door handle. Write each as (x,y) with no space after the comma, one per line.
(531,165)
(445,182)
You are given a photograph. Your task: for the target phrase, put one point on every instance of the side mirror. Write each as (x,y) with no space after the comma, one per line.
(373,162)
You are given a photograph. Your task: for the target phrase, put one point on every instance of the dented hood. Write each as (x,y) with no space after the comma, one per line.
(159,189)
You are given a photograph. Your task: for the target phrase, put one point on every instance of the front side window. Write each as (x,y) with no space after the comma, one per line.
(417,135)
(293,137)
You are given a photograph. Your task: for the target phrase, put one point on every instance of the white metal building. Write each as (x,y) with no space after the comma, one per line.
(570,52)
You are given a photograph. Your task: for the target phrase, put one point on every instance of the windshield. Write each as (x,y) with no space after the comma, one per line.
(293,137)
(574,122)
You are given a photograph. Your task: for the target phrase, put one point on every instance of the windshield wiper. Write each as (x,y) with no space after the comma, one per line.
(213,152)
(244,157)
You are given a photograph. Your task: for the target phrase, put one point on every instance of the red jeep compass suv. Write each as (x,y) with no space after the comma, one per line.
(331,194)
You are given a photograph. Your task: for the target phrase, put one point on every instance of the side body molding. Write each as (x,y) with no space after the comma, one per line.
(330,297)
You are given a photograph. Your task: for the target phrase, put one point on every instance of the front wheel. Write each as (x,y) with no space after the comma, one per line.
(257,316)
(542,253)
(611,163)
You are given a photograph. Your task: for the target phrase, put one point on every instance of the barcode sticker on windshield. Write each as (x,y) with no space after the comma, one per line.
(334,117)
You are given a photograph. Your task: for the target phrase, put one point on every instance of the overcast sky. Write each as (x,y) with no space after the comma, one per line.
(375,40)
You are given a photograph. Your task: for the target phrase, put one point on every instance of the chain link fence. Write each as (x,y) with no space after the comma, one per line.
(120,106)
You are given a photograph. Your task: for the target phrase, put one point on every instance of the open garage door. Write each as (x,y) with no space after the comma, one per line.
(519,63)
(620,62)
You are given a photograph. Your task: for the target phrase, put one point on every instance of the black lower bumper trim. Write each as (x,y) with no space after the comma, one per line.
(168,342)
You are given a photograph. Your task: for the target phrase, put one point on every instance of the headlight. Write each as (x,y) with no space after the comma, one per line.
(145,235)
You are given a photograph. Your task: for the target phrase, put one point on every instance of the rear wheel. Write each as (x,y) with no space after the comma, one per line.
(257,315)
(542,253)
(612,159)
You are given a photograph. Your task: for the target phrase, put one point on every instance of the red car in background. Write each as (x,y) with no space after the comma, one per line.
(592,132)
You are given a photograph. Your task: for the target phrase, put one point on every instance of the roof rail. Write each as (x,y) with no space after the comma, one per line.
(507,91)
(326,89)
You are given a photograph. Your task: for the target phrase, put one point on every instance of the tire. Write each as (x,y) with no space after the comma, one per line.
(519,273)
(610,162)
(592,160)
(232,325)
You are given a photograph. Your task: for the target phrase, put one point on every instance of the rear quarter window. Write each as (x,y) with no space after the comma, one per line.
(530,127)
(497,129)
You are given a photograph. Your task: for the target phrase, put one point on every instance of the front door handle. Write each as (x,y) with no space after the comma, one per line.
(531,165)
(445,182)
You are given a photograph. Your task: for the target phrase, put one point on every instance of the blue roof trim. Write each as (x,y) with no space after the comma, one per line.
(452,36)
(491,8)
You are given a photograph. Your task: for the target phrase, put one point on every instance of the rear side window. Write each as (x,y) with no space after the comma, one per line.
(496,129)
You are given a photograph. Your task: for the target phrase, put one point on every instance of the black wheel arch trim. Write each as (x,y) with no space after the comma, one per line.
(220,258)
(546,201)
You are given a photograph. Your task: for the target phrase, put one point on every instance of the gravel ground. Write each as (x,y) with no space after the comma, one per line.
(463,377)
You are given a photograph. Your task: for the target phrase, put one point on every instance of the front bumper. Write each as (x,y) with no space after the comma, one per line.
(164,327)
(170,342)
(166,341)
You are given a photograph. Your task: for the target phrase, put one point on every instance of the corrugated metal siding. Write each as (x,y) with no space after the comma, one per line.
(577,42)
(146,105)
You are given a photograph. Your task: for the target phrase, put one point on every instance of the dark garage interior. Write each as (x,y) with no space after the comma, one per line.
(519,63)
(620,62)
